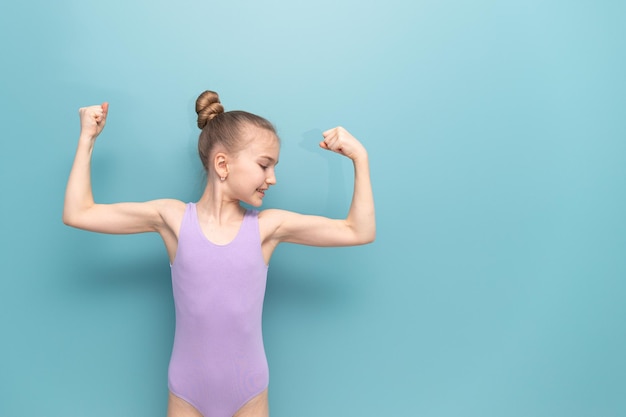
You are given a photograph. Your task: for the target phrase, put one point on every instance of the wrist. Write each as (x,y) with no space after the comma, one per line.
(86,137)
(86,142)
(360,157)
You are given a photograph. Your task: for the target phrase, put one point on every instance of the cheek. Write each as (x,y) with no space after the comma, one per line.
(254,176)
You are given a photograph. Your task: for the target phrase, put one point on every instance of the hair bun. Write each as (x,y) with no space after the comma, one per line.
(208,106)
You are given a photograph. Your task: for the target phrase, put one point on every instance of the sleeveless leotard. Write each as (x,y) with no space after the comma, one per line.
(218,361)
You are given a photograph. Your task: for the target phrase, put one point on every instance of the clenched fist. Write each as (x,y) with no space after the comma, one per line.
(341,141)
(92,120)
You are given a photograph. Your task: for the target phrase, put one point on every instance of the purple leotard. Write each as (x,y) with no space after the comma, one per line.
(218,361)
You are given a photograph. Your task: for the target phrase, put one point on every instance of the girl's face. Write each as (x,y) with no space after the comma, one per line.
(252,170)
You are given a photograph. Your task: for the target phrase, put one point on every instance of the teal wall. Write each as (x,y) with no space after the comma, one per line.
(497,136)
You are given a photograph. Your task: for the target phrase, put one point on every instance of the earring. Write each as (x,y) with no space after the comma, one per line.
(222,178)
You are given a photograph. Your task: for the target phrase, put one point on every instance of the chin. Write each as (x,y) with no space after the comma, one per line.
(254,203)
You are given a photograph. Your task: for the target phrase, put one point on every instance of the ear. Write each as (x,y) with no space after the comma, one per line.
(220,163)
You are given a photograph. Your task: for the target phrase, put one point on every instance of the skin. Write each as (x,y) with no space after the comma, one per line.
(248,174)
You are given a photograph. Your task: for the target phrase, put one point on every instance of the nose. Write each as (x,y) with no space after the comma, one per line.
(271,178)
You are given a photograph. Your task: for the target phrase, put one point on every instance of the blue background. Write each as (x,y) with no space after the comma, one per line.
(497,137)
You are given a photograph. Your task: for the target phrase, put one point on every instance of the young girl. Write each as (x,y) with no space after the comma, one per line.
(219,252)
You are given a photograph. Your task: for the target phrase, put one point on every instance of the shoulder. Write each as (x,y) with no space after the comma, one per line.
(273,216)
(271,220)
(289,226)
(168,204)
(170,210)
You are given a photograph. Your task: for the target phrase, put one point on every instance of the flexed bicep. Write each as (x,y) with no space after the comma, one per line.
(122,218)
(313,230)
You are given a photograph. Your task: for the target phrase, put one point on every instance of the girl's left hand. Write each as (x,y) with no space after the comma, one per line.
(341,141)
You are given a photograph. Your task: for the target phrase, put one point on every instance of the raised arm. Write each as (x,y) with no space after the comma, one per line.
(81,211)
(358,228)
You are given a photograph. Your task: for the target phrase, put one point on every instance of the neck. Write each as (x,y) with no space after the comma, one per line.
(217,207)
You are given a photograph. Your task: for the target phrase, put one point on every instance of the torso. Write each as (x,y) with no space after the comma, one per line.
(218,361)
(172,212)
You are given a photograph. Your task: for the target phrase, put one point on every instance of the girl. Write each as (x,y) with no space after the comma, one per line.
(219,252)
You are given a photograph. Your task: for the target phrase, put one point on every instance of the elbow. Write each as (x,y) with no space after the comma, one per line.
(370,239)
(69,219)
(75,215)
(367,238)
(371,234)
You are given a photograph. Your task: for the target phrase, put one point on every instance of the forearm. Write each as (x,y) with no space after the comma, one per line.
(78,194)
(361,217)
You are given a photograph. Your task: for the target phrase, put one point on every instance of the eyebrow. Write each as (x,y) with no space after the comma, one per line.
(270,159)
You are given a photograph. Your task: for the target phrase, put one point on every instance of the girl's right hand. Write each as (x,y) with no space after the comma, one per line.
(92,120)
